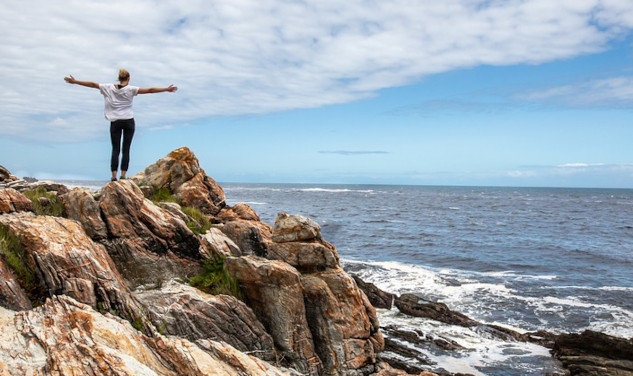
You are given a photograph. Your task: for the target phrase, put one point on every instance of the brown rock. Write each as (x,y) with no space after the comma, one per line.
(185,311)
(214,244)
(275,293)
(180,172)
(592,353)
(12,296)
(413,305)
(68,262)
(12,201)
(340,321)
(306,257)
(247,235)
(294,228)
(5,176)
(64,337)
(81,205)
(146,241)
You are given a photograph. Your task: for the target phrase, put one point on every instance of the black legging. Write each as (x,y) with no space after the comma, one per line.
(116,128)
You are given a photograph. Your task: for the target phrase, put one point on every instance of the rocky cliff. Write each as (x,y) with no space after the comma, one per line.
(102,286)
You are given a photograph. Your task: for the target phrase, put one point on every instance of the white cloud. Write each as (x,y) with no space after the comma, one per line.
(254,56)
(611,92)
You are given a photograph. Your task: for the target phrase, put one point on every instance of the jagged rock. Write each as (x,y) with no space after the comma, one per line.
(591,353)
(12,296)
(13,201)
(215,245)
(275,293)
(377,297)
(181,173)
(306,257)
(295,228)
(68,262)
(174,209)
(185,311)
(144,240)
(81,205)
(64,337)
(247,236)
(5,175)
(413,305)
(343,325)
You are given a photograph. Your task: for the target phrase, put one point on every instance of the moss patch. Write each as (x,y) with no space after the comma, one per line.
(216,280)
(45,203)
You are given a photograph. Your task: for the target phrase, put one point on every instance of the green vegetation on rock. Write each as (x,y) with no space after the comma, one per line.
(163,195)
(216,280)
(15,257)
(200,223)
(45,203)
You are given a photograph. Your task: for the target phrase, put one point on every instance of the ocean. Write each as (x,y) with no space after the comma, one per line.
(530,259)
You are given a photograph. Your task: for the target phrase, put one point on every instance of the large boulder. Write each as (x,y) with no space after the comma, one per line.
(65,261)
(12,201)
(146,241)
(343,323)
(64,337)
(216,245)
(185,311)
(295,228)
(180,172)
(274,291)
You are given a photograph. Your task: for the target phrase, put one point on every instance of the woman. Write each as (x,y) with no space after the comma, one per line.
(118,110)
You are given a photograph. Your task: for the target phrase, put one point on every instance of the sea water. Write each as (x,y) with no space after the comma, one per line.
(530,259)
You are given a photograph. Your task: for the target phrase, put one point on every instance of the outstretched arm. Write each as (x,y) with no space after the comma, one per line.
(170,88)
(71,80)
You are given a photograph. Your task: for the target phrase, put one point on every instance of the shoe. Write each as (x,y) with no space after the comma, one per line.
(122,178)
(113,179)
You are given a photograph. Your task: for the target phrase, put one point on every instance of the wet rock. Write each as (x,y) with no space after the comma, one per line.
(12,201)
(145,240)
(413,305)
(592,353)
(180,172)
(65,261)
(274,291)
(65,337)
(81,205)
(377,297)
(184,311)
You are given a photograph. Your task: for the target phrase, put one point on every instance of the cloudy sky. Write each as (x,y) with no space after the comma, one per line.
(455,92)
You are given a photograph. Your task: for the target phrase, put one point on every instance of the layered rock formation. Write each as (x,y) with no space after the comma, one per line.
(300,309)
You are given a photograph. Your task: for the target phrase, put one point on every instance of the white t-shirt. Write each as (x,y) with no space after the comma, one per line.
(118,102)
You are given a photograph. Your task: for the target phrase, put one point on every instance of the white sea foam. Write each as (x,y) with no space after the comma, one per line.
(334,190)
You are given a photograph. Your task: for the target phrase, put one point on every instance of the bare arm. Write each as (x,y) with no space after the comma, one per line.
(71,80)
(150,90)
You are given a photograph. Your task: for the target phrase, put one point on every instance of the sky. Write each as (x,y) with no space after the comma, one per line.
(451,92)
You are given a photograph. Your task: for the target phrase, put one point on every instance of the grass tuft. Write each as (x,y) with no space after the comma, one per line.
(200,223)
(51,205)
(163,195)
(216,280)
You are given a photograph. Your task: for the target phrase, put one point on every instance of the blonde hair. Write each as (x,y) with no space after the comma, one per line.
(123,75)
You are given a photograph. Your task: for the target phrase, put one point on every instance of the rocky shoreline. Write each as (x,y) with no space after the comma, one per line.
(104,284)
